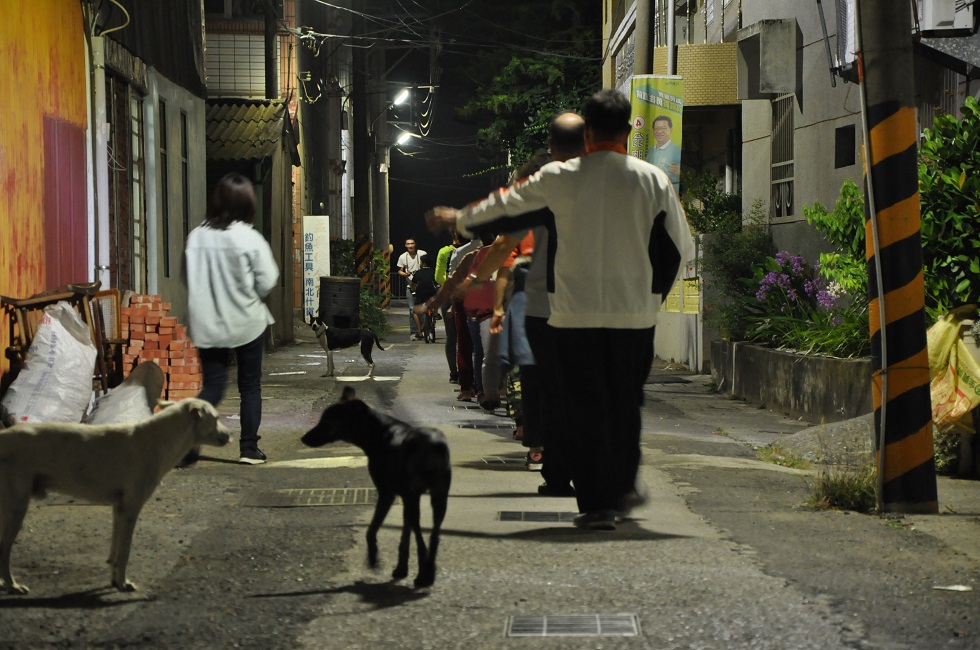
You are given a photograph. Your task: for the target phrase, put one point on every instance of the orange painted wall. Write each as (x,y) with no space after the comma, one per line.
(42,72)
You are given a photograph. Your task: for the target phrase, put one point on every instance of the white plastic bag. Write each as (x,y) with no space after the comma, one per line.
(55,384)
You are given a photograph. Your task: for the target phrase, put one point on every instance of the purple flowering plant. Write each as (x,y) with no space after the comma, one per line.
(797,308)
(791,286)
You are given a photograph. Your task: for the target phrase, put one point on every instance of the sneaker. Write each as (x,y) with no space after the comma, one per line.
(632,500)
(534,460)
(465,395)
(597,520)
(453,379)
(549,490)
(490,405)
(253,456)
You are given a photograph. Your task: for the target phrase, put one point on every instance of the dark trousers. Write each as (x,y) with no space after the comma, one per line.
(473,326)
(450,324)
(214,368)
(547,391)
(533,410)
(464,347)
(603,397)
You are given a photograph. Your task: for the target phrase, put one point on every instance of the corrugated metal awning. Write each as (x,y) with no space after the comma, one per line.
(244,129)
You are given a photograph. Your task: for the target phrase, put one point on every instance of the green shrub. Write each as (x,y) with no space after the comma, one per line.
(949,184)
(844,228)
(727,270)
(708,208)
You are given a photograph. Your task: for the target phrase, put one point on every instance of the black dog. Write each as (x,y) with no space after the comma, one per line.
(336,338)
(403,461)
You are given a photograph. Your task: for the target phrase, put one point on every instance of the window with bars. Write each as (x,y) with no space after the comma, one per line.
(164,190)
(781,203)
(127,188)
(138,214)
(236,64)
(709,11)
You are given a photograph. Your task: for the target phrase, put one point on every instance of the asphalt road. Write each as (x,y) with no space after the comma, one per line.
(723,556)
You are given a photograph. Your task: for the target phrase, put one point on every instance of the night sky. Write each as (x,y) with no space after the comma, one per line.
(440,169)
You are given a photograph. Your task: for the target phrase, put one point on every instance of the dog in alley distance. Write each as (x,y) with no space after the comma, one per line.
(403,461)
(118,465)
(336,338)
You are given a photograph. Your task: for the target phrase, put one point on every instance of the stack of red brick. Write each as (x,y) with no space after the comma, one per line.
(153,335)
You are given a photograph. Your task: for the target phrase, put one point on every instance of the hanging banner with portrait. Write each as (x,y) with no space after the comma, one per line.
(658,105)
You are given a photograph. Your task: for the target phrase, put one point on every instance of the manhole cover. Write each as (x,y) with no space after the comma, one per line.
(292,498)
(538,517)
(575,625)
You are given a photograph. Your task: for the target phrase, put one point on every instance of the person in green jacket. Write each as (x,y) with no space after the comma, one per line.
(442,265)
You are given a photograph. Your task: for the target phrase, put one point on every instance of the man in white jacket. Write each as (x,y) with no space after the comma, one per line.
(618,242)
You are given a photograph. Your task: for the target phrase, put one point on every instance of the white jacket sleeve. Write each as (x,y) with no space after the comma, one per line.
(264,266)
(503,205)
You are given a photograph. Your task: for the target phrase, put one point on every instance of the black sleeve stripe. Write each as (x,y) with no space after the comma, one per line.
(665,258)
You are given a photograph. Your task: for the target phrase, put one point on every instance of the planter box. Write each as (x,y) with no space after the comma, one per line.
(816,389)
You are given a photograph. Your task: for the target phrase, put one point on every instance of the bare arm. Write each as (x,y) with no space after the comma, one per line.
(500,295)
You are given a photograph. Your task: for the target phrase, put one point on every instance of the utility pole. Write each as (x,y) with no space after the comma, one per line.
(903,409)
(271,16)
(360,119)
(642,50)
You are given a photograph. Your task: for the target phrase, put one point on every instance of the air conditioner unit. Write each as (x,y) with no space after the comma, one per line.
(945,17)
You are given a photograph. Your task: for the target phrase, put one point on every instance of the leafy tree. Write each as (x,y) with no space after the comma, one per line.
(535,59)
(949,185)
(949,164)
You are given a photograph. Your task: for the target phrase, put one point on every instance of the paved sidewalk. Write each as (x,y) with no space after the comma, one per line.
(686,581)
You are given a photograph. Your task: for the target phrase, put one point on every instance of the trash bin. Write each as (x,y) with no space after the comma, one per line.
(340,301)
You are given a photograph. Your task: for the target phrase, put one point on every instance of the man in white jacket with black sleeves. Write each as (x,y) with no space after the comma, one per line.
(619,241)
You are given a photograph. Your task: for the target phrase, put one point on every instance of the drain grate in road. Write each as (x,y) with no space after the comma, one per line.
(297,497)
(575,625)
(537,517)
(503,460)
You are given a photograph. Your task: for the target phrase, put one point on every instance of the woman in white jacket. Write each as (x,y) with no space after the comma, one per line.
(229,269)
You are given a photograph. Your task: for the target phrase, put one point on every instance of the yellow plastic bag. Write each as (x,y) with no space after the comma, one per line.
(955,372)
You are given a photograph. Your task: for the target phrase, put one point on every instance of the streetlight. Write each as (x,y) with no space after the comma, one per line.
(400,99)
(405,137)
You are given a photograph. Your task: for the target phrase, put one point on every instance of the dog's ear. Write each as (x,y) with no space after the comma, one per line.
(348,394)
(199,409)
(165,403)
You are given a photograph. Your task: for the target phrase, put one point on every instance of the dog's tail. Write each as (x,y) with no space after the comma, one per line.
(377,341)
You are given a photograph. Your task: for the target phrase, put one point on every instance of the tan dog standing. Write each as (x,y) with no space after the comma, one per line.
(118,465)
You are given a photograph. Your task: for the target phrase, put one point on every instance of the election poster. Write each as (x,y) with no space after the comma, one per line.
(658,105)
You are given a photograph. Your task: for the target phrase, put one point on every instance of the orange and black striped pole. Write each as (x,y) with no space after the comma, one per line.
(903,410)
(363,253)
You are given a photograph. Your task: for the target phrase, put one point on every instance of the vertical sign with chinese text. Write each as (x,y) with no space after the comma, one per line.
(316,259)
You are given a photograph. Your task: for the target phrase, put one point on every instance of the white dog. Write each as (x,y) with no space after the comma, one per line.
(118,465)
